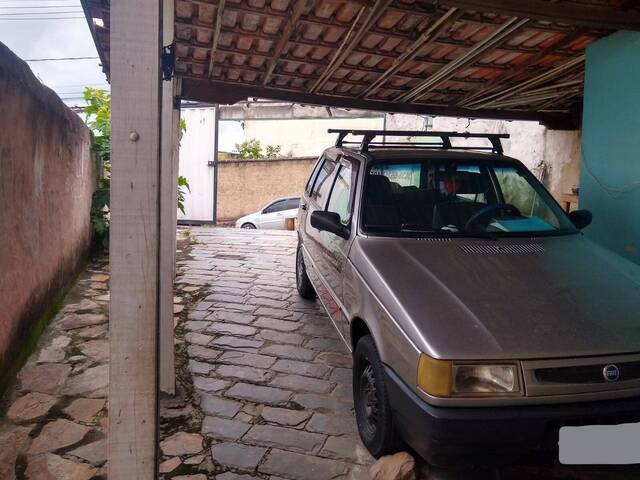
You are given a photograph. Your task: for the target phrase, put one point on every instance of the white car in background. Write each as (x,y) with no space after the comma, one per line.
(271,217)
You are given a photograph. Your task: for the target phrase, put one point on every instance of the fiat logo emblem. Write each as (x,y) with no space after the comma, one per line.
(611,373)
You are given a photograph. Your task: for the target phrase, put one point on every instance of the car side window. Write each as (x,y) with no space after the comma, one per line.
(321,185)
(292,203)
(341,194)
(278,206)
(314,174)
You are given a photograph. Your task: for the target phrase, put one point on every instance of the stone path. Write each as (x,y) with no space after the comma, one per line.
(263,380)
(268,389)
(55,416)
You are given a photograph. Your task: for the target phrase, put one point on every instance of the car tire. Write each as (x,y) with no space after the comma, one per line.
(305,289)
(370,397)
(249,226)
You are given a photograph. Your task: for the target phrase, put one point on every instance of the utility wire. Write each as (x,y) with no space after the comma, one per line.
(41,18)
(59,59)
(31,7)
(67,12)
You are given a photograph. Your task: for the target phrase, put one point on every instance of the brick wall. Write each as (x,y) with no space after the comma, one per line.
(245,186)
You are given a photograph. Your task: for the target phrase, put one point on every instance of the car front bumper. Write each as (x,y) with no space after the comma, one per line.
(489,435)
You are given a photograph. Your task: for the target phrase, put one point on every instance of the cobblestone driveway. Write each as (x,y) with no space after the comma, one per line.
(272,375)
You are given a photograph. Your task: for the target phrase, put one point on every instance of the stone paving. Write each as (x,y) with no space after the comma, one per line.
(270,379)
(55,416)
(263,381)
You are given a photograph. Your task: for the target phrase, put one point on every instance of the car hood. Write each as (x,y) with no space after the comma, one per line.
(511,298)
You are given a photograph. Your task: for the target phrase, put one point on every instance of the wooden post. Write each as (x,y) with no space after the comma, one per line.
(135,239)
(168,207)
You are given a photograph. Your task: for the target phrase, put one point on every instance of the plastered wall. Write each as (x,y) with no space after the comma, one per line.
(47,177)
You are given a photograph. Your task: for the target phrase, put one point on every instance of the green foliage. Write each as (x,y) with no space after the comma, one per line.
(100,215)
(273,151)
(98,119)
(183,187)
(250,149)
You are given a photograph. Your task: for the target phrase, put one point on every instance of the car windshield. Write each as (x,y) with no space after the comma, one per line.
(459,198)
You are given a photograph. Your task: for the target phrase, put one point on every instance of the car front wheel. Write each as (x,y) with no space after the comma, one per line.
(305,289)
(249,226)
(370,397)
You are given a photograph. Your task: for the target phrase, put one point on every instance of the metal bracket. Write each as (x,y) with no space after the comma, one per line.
(168,58)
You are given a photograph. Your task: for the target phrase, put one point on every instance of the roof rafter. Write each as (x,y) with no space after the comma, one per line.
(229,92)
(350,42)
(437,28)
(521,67)
(501,34)
(575,64)
(580,15)
(216,35)
(289,26)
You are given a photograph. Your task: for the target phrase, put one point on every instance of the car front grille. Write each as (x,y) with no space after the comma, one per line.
(586,373)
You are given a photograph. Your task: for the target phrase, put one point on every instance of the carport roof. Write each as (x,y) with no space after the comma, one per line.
(477,58)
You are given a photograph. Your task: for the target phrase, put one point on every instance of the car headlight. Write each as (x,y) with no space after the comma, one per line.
(445,378)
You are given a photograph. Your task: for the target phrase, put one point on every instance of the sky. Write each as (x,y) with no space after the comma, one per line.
(53,29)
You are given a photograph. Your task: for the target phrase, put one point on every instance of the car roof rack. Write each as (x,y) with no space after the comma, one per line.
(445,139)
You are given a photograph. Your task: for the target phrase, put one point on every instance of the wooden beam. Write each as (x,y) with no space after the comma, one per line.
(228,93)
(412,51)
(168,207)
(502,34)
(593,16)
(216,35)
(135,239)
(521,67)
(290,24)
(351,41)
(562,70)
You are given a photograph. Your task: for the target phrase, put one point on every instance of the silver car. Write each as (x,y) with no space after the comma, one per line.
(271,216)
(481,320)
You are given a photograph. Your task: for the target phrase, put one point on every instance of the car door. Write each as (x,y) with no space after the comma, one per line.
(291,208)
(334,248)
(272,216)
(315,258)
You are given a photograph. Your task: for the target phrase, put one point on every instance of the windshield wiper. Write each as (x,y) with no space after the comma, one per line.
(414,228)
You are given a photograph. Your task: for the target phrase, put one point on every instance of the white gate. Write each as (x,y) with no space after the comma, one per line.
(197,150)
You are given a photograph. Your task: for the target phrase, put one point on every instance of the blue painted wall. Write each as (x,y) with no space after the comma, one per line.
(610,168)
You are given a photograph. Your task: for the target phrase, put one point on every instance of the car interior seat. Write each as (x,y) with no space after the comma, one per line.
(381,208)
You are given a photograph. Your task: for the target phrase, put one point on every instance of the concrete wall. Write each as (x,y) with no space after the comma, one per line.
(610,177)
(47,178)
(304,137)
(245,186)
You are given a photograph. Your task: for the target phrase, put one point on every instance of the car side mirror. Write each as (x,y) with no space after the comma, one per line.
(581,218)
(329,222)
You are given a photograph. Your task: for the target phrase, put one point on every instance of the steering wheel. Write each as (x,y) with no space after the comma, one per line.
(493,210)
